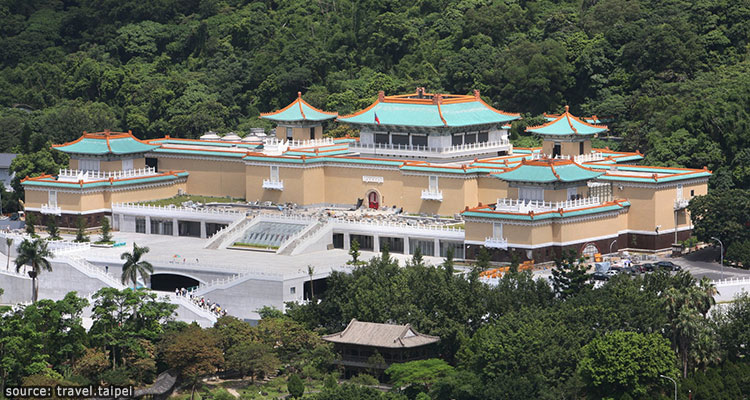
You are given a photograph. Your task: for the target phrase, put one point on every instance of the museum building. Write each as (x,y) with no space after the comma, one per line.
(431,154)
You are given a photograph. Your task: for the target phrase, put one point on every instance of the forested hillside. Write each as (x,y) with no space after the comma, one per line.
(671,77)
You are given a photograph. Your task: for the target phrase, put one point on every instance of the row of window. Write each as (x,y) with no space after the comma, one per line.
(420,139)
(95,165)
(396,245)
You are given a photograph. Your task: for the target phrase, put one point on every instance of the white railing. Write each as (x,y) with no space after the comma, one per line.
(217,239)
(288,245)
(310,143)
(524,206)
(681,203)
(389,224)
(732,281)
(588,157)
(52,210)
(86,175)
(273,184)
(428,194)
(462,148)
(210,210)
(59,247)
(496,243)
(92,270)
(192,306)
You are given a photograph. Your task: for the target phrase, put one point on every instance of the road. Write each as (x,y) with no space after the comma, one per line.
(702,263)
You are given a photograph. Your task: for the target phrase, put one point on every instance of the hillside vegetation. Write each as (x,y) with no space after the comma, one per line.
(670,77)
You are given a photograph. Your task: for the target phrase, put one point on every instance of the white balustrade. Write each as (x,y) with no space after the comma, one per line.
(524,206)
(681,203)
(50,209)
(436,195)
(76,175)
(496,243)
(206,210)
(272,184)
(390,224)
(448,151)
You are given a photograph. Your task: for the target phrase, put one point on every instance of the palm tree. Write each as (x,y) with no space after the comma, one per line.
(134,266)
(707,291)
(311,272)
(9,243)
(35,254)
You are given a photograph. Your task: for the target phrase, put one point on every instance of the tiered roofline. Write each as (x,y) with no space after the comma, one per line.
(288,113)
(566,124)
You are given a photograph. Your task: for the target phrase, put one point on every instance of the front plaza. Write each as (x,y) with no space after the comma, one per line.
(444,161)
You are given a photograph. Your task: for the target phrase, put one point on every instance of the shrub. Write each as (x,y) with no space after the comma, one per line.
(295,386)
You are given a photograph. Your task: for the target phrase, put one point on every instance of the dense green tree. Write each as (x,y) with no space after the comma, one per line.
(295,386)
(52,229)
(569,276)
(251,358)
(194,353)
(106,235)
(626,362)
(81,235)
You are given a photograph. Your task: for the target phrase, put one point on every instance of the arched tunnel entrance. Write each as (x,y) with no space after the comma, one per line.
(170,282)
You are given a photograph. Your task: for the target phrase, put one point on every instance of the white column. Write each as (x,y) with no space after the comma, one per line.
(347,242)
(175,227)
(375,243)
(406,245)
(437,248)
(203,229)
(148,225)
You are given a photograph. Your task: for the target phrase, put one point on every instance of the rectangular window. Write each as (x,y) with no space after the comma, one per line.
(419,140)
(274,173)
(365,241)
(470,138)
(433,184)
(456,247)
(153,163)
(381,138)
(312,133)
(426,247)
(572,193)
(292,290)
(527,193)
(88,165)
(289,134)
(556,149)
(483,137)
(497,230)
(52,198)
(395,244)
(127,164)
(679,191)
(692,193)
(457,139)
(402,139)
(338,240)
(140,225)
(580,148)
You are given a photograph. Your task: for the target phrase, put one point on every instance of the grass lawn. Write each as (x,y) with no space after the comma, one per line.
(255,246)
(178,200)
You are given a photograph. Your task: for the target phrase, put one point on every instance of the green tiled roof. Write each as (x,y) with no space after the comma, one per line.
(206,144)
(428,115)
(546,171)
(106,143)
(567,125)
(52,182)
(215,153)
(489,213)
(299,110)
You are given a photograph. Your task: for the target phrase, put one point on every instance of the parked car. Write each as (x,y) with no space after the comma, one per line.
(600,276)
(668,265)
(647,267)
(631,270)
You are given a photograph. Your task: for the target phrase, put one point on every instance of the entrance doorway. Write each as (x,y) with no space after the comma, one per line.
(373,200)
(170,282)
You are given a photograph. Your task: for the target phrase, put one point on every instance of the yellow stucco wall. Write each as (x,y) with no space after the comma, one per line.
(489,189)
(566,147)
(209,177)
(299,133)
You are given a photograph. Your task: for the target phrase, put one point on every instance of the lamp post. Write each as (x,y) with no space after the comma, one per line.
(722,255)
(675,385)
(612,244)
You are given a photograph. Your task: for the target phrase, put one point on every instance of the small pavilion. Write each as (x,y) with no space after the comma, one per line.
(567,135)
(299,120)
